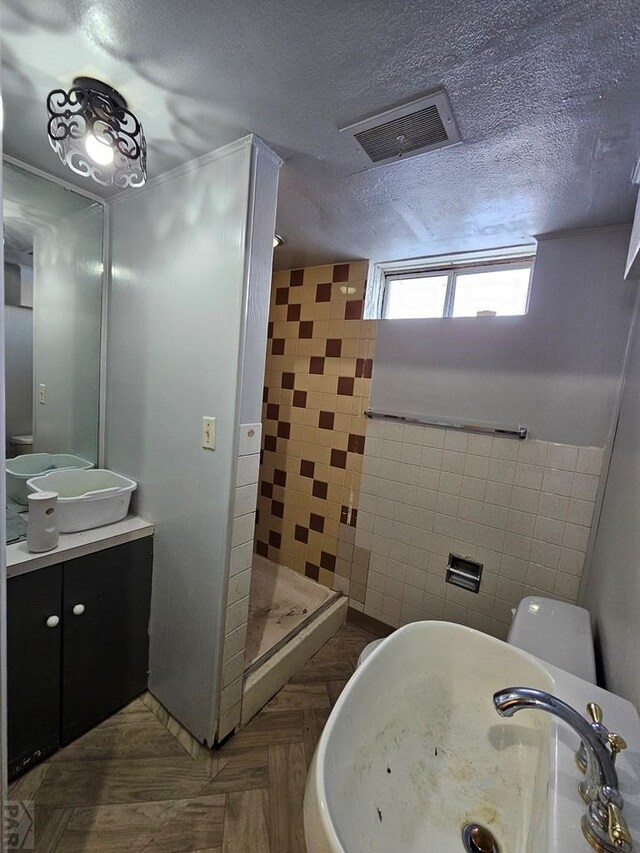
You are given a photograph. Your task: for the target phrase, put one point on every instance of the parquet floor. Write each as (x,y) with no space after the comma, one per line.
(128,785)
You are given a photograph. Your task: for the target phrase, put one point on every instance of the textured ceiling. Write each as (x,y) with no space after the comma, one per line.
(545,94)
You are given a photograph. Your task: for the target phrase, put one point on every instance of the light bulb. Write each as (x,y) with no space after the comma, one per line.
(99,151)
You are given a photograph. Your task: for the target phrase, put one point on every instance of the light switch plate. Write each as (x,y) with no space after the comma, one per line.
(209,433)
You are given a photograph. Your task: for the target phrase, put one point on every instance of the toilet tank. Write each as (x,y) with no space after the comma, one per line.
(557,633)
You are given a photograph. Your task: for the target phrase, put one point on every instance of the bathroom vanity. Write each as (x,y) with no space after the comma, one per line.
(77,635)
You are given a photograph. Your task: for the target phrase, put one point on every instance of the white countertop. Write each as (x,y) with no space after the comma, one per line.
(72,545)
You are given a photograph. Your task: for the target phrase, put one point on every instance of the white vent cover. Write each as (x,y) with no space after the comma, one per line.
(405,131)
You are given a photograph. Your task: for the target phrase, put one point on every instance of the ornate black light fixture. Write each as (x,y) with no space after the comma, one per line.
(93,133)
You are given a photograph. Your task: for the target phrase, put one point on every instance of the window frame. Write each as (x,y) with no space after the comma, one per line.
(452,270)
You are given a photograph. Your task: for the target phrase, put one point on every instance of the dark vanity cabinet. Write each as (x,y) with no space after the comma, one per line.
(78,647)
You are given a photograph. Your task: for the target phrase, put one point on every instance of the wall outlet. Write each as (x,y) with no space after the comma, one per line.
(209,433)
(42,394)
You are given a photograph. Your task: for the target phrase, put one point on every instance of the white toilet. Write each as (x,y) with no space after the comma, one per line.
(557,633)
(20,444)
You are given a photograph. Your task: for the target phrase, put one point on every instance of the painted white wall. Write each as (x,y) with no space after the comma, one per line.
(612,588)
(67,309)
(18,354)
(176,309)
(557,370)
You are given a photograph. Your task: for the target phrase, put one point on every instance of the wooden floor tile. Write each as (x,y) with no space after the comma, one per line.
(246,825)
(312,725)
(122,739)
(49,825)
(299,697)
(287,779)
(92,783)
(266,729)
(244,770)
(115,829)
(198,825)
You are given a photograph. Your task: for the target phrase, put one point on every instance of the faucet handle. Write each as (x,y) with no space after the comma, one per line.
(616,743)
(619,834)
(595,712)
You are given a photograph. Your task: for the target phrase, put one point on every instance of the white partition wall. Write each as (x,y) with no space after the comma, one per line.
(178,302)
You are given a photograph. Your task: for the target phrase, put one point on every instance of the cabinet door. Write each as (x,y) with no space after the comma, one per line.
(105,638)
(33,666)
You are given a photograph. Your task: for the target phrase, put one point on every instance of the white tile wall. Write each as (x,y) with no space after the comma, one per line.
(522,508)
(237,612)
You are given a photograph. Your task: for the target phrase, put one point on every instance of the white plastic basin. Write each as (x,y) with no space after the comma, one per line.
(23,468)
(86,498)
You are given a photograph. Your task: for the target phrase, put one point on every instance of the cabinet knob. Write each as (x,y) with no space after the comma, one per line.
(53,621)
(78,609)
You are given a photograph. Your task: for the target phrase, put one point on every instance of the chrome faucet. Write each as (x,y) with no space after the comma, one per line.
(603,825)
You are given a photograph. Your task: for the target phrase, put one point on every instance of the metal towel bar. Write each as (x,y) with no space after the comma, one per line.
(519,433)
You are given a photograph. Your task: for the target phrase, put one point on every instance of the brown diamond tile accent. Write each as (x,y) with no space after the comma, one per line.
(282,295)
(311,571)
(270,443)
(353,309)
(270,329)
(316,522)
(257,517)
(326,419)
(323,293)
(346,385)
(368,368)
(300,399)
(333,348)
(353,521)
(279,477)
(284,429)
(296,278)
(277,509)
(266,489)
(301,533)
(344,514)
(307,468)
(305,329)
(341,272)
(273,411)
(316,364)
(277,346)
(293,312)
(319,489)
(275,539)
(328,561)
(265,394)
(338,458)
(262,548)
(355,443)
(287,380)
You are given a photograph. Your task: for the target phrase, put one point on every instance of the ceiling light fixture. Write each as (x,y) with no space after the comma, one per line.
(94,133)
(277,241)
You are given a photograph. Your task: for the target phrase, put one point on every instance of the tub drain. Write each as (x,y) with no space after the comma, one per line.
(478,839)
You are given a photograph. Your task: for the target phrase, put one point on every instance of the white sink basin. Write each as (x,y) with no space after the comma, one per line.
(86,499)
(414,750)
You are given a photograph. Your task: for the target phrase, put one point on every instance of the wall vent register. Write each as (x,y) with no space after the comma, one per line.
(406,131)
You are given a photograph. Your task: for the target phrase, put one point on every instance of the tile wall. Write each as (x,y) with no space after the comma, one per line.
(522,508)
(318,373)
(237,609)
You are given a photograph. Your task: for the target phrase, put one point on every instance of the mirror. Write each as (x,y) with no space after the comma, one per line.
(53,268)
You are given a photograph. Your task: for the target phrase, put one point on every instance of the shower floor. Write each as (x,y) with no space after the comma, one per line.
(281,604)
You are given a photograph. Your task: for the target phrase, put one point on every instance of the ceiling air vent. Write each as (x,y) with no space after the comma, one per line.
(416,128)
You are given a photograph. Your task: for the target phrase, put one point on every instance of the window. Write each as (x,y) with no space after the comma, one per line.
(472,290)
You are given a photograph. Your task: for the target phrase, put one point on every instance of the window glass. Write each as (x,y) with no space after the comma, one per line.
(408,298)
(499,291)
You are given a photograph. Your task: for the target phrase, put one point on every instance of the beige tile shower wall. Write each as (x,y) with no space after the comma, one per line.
(237,610)
(317,381)
(522,508)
